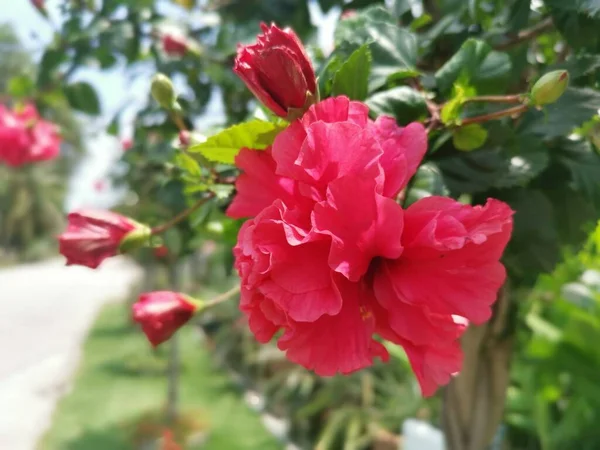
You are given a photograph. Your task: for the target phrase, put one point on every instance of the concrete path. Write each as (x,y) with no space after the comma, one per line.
(45,312)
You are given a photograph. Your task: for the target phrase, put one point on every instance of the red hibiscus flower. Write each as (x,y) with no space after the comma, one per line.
(162,313)
(93,236)
(26,138)
(277,70)
(332,260)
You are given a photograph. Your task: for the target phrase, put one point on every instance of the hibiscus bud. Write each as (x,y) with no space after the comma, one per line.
(163,91)
(277,70)
(162,313)
(184,138)
(550,87)
(174,45)
(348,14)
(40,5)
(126,144)
(161,252)
(92,236)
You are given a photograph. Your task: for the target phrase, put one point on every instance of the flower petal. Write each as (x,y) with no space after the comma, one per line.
(336,344)
(361,223)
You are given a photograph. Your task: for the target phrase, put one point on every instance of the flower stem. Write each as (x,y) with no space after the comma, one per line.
(222,297)
(177,120)
(518,98)
(181,216)
(495,115)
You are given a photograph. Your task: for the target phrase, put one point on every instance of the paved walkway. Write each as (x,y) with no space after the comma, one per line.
(45,311)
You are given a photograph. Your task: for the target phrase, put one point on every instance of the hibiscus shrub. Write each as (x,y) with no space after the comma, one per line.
(402,191)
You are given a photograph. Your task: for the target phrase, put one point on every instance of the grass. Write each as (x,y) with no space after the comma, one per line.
(121,380)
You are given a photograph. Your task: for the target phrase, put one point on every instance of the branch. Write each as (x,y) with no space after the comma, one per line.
(525,35)
(181,216)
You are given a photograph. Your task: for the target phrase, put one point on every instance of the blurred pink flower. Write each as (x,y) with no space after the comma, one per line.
(25,138)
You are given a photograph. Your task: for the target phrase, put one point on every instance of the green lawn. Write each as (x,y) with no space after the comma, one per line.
(121,379)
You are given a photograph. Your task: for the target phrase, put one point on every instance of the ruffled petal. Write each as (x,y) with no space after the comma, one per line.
(258,186)
(451,256)
(361,223)
(336,344)
(403,150)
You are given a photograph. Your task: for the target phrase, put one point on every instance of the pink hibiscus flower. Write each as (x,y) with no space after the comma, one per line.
(331,260)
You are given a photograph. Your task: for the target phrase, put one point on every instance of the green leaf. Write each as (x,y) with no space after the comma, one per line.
(579,66)
(476,64)
(527,158)
(577,21)
(519,15)
(573,108)
(393,49)
(51,60)
(534,246)
(452,109)
(426,182)
(469,137)
(21,86)
(224,146)
(352,78)
(420,22)
(402,102)
(400,7)
(507,160)
(188,164)
(584,165)
(82,96)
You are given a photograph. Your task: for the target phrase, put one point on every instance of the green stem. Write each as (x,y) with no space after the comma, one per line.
(518,98)
(495,115)
(221,298)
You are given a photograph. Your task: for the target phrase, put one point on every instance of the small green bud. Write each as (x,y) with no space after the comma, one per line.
(163,91)
(136,238)
(550,87)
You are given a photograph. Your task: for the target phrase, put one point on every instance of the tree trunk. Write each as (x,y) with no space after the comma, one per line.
(473,403)
(173,370)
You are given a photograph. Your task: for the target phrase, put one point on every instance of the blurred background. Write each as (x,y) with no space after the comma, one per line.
(76,373)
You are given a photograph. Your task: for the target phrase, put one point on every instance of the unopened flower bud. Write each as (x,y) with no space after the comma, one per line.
(549,87)
(163,91)
(162,313)
(277,70)
(184,138)
(92,236)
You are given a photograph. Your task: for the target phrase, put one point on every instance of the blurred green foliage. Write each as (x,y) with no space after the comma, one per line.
(399,56)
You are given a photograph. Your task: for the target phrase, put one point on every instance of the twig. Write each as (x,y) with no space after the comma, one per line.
(182,215)
(495,115)
(525,35)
